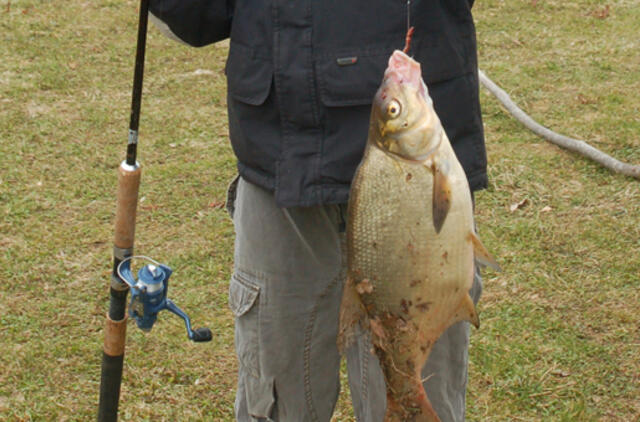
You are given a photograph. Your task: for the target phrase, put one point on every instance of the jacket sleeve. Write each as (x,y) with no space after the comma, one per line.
(195,22)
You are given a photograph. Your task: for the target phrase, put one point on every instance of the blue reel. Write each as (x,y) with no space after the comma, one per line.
(149,297)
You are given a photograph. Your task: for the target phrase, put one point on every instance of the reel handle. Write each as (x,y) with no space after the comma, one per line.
(201,335)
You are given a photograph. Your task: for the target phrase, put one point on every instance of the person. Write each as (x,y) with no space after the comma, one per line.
(301,77)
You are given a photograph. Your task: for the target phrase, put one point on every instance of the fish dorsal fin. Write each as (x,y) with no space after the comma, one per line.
(441,193)
(481,254)
(467,312)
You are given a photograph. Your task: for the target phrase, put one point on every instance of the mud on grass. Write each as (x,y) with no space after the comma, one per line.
(559,336)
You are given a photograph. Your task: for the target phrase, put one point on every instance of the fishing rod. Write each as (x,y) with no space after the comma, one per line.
(149,292)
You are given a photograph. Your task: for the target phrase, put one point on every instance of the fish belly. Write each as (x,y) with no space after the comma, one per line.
(410,279)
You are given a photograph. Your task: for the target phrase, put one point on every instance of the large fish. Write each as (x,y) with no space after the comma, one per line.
(411,241)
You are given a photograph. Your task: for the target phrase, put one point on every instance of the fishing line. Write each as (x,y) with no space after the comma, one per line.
(408,15)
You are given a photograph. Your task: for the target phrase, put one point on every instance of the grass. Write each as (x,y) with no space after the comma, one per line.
(560,337)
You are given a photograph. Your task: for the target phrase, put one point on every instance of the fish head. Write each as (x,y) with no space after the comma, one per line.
(403,120)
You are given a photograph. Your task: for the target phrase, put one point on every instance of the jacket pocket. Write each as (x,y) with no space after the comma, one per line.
(243,301)
(351,78)
(249,74)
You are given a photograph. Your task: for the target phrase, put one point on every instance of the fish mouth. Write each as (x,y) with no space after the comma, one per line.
(403,70)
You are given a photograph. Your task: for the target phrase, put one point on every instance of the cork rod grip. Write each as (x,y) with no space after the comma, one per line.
(115,335)
(127,201)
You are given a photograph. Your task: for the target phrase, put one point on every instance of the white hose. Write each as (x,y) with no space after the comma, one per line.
(571,144)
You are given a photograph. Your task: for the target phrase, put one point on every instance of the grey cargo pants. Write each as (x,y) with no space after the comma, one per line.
(285,294)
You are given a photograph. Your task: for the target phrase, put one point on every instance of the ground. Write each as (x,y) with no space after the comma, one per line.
(559,337)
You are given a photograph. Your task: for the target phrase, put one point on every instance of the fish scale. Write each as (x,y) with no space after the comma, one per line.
(392,242)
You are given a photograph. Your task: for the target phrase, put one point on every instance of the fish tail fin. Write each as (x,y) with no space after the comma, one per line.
(481,254)
(406,397)
(352,313)
(416,407)
(428,412)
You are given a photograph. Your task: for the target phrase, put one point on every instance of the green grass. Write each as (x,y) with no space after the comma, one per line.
(560,336)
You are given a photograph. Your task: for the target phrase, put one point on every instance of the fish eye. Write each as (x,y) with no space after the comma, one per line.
(393,109)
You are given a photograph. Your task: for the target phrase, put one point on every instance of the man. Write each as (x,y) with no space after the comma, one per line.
(301,78)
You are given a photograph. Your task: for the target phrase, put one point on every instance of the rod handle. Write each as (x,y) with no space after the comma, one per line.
(127,202)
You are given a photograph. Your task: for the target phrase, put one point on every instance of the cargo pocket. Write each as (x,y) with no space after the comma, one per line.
(255,393)
(243,301)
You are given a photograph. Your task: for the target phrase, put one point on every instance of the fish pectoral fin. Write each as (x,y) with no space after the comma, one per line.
(467,312)
(352,313)
(441,193)
(481,254)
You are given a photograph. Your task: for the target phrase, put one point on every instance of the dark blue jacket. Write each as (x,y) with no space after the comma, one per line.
(302,74)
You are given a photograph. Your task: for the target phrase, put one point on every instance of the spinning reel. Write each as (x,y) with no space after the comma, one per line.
(149,297)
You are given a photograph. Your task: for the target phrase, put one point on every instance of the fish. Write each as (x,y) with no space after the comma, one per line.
(411,241)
